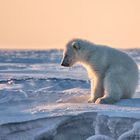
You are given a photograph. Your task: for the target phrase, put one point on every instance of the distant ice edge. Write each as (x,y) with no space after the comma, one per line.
(84,126)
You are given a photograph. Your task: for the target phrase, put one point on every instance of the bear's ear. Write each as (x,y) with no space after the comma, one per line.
(76,46)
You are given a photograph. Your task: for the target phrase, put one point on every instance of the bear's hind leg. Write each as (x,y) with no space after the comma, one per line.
(112,89)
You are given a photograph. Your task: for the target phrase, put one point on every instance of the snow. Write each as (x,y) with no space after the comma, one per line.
(40,99)
(99,137)
(133,134)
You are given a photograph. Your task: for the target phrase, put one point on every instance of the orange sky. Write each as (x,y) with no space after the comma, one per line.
(43,24)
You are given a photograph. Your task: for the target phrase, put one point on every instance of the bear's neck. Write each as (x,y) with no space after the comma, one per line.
(91,72)
(89,62)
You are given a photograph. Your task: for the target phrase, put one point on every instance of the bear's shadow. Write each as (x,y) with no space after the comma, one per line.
(133,102)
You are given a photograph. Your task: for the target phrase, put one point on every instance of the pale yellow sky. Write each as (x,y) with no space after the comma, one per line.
(43,24)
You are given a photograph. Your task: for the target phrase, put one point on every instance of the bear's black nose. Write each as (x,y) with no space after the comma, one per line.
(64,64)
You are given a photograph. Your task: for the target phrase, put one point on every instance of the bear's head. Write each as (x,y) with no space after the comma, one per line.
(71,54)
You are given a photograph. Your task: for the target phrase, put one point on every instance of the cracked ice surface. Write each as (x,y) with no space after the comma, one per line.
(41,100)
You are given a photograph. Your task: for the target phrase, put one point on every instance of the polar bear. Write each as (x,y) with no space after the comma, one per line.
(113,74)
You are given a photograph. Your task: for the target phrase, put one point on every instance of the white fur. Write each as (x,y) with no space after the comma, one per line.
(113,74)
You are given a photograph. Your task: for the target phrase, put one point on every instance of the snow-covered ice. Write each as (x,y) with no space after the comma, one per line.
(40,100)
(133,134)
(99,137)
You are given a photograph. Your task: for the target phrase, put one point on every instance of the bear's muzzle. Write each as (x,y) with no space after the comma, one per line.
(65,64)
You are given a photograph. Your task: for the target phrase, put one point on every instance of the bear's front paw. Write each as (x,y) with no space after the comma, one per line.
(106,100)
(100,101)
(91,100)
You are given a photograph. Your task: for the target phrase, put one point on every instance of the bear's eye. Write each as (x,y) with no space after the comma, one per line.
(66,55)
(76,46)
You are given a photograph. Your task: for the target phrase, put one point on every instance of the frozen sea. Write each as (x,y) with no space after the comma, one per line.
(37,95)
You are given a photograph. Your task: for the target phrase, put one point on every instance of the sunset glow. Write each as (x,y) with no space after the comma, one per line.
(45,24)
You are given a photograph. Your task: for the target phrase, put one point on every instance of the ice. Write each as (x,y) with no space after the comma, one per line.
(30,130)
(39,100)
(133,134)
(99,137)
(113,127)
